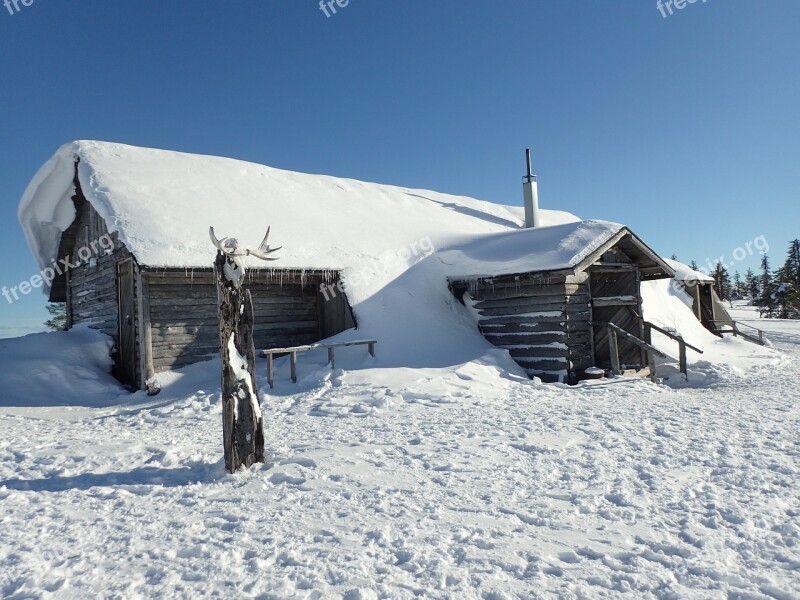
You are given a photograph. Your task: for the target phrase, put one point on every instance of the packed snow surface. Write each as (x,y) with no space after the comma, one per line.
(462,481)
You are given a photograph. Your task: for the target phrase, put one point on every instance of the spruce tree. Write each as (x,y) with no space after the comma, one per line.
(766,292)
(751,284)
(722,281)
(58,316)
(791,267)
(737,286)
(787,284)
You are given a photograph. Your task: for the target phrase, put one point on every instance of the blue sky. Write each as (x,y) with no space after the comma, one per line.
(686,128)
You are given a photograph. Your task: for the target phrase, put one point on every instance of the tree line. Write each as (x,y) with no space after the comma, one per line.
(776,292)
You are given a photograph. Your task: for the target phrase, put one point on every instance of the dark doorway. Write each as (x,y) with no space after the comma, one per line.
(125,368)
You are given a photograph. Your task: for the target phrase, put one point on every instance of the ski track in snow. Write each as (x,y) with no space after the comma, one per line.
(436,485)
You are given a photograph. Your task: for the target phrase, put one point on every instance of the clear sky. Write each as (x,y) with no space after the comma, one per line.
(685,127)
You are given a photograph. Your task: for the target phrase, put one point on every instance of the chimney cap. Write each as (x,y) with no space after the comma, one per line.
(529,177)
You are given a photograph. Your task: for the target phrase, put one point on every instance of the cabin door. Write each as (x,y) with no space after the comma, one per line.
(126,341)
(615,299)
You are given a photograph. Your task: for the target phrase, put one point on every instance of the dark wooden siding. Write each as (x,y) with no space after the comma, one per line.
(579,330)
(546,321)
(616,298)
(532,318)
(288,306)
(176,321)
(92,295)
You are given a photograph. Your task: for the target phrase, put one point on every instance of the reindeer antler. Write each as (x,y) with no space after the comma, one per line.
(264,249)
(230,247)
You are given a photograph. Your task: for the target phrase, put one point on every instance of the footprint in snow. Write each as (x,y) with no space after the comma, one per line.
(279,478)
(301,461)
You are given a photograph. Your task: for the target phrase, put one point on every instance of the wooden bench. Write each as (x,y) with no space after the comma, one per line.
(292,352)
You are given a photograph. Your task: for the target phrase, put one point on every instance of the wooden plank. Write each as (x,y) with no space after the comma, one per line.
(534,352)
(146,341)
(552,364)
(508,292)
(533,319)
(161,339)
(533,310)
(170,363)
(525,329)
(267,290)
(167,314)
(523,339)
(526,324)
(612,268)
(602,302)
(277,277)
(161,328)
(543,337)
(530,300)
(613,347)
(531,279)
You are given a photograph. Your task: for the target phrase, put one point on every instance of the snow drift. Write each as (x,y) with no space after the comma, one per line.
(64,368)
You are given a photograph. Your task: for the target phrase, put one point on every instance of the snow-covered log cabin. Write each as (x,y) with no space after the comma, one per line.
(124,231)
(557,289)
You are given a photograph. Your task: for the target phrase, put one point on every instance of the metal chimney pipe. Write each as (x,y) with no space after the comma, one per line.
(530,188)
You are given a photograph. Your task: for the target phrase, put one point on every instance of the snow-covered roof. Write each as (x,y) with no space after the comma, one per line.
(528,250)
(161,204)
(684,272)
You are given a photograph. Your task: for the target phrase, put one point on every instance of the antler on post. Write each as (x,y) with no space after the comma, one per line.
(230,246)
(214,240)
(263,249)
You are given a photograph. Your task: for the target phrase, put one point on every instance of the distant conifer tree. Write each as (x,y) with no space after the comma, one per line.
(722,281)
(751,284)
(787,284)
(766,289)
(738,287)
(58,316)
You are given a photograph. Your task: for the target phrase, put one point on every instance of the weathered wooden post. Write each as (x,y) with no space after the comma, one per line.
(242,424)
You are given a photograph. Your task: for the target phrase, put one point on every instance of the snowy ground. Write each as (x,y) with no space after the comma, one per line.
(387,482)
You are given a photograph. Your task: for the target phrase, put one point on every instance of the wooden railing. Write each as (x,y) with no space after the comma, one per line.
(614,331)
(682,345)
(734,328)
(293,351)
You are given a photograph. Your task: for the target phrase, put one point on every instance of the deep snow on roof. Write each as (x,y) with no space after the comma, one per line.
(528,250)
(684,272)
(161,203)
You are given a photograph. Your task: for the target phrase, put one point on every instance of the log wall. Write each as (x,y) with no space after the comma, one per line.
(543,323)
(92,294)
(289,309)
(175,311)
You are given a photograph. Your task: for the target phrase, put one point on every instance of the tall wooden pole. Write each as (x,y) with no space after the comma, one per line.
(242,423)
